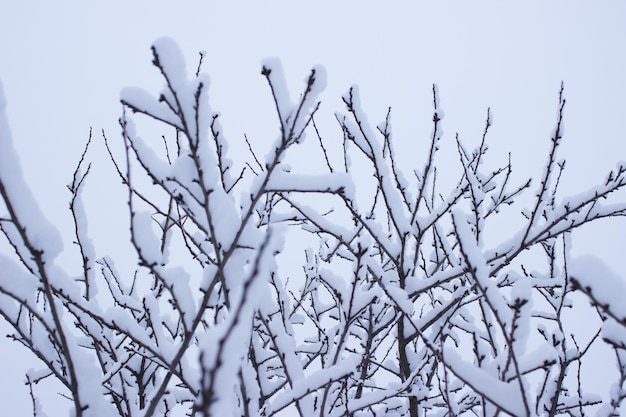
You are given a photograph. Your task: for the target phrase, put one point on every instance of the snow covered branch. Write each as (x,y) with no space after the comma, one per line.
(401,302)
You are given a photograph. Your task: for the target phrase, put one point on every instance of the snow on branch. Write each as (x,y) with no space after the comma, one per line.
(361,291)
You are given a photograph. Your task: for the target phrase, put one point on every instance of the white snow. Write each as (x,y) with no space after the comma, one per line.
(145,238)
(144,101)
(522,295)
(16,281)
(281,181)
(475,260)
(293,116)
(41,234)
(604,284)
(505,395)
(312,383)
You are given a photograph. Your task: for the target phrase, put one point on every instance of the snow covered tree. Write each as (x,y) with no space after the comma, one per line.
(402,306)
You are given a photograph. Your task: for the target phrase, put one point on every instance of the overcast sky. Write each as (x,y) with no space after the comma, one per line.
(63,64)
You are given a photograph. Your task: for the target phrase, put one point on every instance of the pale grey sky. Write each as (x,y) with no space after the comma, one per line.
(63,64)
